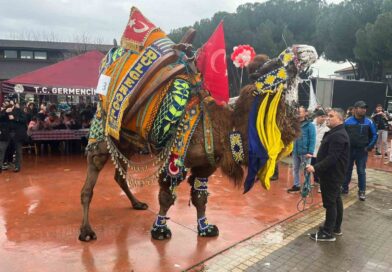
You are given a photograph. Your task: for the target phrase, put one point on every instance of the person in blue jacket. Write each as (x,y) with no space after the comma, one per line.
(303,147)
(363,136)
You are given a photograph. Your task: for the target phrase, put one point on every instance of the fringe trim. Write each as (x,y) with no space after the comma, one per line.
(138,167)
(140,182)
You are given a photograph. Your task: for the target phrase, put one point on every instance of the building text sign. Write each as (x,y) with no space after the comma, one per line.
(63,90)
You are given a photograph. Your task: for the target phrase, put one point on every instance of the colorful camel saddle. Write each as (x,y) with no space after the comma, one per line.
(149,94)
(142,94)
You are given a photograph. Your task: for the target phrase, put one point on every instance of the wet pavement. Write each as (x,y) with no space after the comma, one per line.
(365,245)
(40,216)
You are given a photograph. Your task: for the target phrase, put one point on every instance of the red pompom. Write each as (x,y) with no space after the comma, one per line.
(242,55)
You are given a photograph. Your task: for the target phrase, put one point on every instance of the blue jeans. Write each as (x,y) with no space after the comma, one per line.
(359,156)
(298,160)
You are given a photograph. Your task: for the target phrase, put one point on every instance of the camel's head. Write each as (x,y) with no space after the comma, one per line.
(303,56)
(282,71)
(272,124)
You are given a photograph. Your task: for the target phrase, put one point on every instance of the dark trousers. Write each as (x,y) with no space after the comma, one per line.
(315,177)
(358,156)
(332,202)
(18,150)
(9,153)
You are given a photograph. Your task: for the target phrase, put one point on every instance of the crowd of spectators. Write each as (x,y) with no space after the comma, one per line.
(48,116)
(18,122)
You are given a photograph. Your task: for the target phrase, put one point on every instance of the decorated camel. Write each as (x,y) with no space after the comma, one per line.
(153,100)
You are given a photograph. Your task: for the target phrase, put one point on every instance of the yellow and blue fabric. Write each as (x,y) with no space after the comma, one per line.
(202,224)
(236,146)
(170,111)
(264,136)
(200,185)
(270,136)
(257,155)
(269,81)
(287,56)
(276,78)
(160,221)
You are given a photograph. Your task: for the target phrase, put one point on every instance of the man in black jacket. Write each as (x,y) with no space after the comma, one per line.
(15,121)
(4,132)
(331,167)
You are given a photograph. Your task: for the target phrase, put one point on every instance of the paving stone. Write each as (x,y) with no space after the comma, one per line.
(365,245)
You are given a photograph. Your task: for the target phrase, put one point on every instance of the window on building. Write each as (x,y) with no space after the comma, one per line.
(40,55)
(10,54)
(26,54)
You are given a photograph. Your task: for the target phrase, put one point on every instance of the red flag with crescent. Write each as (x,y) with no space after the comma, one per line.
(211,62)
(137,30)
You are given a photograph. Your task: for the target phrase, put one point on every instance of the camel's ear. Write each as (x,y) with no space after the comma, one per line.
(255,65)
(188,36)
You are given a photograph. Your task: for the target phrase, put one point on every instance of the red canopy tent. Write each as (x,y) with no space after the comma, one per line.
(74,76)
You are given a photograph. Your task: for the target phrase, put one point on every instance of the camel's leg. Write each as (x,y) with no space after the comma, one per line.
(96,159)
(136,204)
(160,230)
(199,194)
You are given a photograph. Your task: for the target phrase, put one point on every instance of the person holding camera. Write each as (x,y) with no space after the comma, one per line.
(380,119)
(4,133)
(13,120)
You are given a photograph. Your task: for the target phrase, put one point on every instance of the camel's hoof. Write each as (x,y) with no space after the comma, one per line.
(161,233)
(140,206)
(87,234)
(210,231)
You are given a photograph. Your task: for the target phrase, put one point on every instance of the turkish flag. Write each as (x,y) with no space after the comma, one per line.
(211,62)
(138,28)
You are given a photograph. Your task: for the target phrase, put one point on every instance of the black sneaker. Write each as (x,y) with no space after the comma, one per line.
(344,191)
(377,153)
(322,236)
(274,177)
(386,156)
(337,232)
(361,195)
(294,189)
